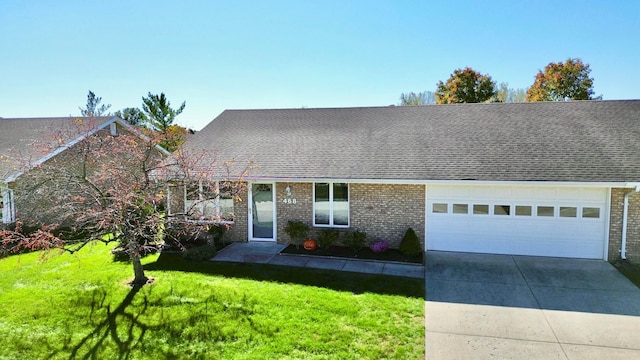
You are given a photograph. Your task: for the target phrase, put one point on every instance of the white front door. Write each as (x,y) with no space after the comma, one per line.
(560,221)
(262,212)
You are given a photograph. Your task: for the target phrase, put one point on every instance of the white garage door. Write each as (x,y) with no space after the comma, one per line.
(520,220)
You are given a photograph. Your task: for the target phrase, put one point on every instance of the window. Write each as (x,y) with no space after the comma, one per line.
(331,204)
(439,208)
(568,211)
(7,210)
(547,211)
(502,209)
(460,208)
(479,209)
(591,212)
(213,201)
(523,210)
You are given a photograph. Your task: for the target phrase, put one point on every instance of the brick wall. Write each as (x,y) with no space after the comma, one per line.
(384,212)
(633,225)
(239,231)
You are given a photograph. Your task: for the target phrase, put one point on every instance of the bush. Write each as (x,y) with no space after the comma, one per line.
(327,238)
(410,245)
(200,253)
(355,240)
(297,231)
(217,231)
(379,246)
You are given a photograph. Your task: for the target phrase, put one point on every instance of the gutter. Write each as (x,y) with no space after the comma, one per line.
(625,215)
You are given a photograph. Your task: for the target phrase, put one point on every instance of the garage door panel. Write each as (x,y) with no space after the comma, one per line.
(525,234)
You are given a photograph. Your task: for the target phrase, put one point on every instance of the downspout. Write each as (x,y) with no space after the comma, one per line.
(625,215)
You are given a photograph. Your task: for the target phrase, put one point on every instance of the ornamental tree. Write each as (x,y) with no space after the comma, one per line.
(109,189)
(562,81)
(465,86)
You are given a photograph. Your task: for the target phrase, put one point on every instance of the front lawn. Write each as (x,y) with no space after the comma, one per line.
(78,306)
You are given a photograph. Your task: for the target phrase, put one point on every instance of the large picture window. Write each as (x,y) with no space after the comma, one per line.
(209,201)
(331,204)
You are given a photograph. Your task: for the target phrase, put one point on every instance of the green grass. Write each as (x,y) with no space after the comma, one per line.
(79,306)
(630,270)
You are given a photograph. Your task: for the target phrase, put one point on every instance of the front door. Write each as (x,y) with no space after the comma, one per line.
(262,212)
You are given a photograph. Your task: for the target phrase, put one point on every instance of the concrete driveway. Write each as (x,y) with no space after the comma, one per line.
(481,306)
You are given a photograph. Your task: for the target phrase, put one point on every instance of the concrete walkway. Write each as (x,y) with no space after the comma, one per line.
(482,306)
(268,253)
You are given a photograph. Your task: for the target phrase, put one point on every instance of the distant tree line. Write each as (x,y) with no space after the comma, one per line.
(559,81)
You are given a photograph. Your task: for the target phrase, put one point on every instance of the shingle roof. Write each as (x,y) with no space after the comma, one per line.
(581,141)
(20,138)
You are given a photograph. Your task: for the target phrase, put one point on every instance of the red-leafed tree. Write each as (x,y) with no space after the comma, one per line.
(106,188)
(562,81)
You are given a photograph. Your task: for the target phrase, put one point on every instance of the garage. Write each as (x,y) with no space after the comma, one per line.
(562,221)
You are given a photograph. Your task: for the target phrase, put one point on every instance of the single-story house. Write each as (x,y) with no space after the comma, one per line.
(26,143)
(547,178)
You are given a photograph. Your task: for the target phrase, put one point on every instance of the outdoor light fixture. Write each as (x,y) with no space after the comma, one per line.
(287,190)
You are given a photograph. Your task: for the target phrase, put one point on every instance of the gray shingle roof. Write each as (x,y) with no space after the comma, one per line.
(582,141)
(20,139)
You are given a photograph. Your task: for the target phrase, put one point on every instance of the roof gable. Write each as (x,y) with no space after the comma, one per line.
(21,139)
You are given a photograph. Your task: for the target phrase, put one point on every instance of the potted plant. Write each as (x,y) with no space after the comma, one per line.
(297,231)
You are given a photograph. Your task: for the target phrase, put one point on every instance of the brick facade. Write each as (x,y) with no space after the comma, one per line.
(383,211)
(633,225)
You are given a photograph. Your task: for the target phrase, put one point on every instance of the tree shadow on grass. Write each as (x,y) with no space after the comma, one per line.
(119,326)
(155,328)
(356,283)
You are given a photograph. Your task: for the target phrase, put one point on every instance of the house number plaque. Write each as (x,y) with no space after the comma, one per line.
(289,201)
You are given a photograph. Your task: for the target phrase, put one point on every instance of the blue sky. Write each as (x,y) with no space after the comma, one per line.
(220,55)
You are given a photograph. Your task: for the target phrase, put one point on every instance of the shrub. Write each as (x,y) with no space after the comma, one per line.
(410,245)
(297,231)
(327,238)
(217,231)
(379,246)
(200,253)
(355,240)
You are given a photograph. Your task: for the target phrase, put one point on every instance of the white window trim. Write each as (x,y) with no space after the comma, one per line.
(331,225)
(8,206)
(201,203)
(512,215)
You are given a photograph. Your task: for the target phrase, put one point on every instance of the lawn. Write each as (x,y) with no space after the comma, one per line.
(79,306)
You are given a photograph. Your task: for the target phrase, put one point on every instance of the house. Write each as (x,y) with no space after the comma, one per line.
(27,143)
(547,179)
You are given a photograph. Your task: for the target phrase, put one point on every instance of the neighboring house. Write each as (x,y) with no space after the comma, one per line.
(26,143)
(547,178)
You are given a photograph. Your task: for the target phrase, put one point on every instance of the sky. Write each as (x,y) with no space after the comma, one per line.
(218,55)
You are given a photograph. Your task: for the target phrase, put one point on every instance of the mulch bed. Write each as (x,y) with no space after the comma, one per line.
(364,254)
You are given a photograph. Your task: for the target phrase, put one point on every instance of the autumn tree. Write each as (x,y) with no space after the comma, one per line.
(105,188)
(158,111)
(421,98)
(562,81)
(93,107)
(465,86)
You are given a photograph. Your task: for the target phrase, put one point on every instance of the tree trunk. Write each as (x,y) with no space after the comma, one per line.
(138,271)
